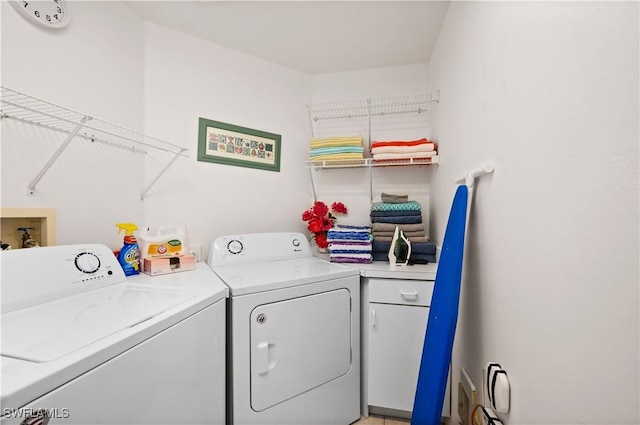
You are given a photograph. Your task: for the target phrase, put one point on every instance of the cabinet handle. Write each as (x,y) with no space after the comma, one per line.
(373,317)
(409,295)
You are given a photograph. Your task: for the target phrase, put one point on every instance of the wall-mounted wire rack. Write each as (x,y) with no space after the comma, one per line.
(25,108)
(362,112)
(369,162)
(372,107)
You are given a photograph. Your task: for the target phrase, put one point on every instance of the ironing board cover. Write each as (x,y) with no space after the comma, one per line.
(443,317)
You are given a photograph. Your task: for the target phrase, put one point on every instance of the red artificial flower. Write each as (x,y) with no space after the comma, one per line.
(307,215)
(320,220)
(339,207)
(321,240)
(326,224)
(315,226)
(320,209)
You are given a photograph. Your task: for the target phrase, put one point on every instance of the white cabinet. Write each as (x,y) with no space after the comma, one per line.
(395,344)
(397,310)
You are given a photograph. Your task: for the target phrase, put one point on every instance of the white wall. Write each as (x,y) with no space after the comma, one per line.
(370,84)
(187,78)
(150,79)
(92,67)
(548,92)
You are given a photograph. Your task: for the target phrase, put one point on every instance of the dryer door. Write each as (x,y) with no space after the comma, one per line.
(299,344)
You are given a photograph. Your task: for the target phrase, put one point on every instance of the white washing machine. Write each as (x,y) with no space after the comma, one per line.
(83,344)
(293,331)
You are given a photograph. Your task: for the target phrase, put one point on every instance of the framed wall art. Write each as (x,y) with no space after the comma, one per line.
(230,144)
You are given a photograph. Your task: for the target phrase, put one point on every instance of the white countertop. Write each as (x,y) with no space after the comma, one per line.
(383,269)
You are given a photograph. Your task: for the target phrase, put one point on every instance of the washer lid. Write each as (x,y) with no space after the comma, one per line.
(47,331)
(250,278)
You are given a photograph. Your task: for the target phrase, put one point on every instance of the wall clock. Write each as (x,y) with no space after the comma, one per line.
(45,13)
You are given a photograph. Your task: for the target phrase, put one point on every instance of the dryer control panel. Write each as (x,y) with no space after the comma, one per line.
(34,275)
(256,247)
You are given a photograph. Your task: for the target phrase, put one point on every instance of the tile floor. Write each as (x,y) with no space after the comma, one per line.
(381,420)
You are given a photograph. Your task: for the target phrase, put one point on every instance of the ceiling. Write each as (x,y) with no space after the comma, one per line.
(314,37)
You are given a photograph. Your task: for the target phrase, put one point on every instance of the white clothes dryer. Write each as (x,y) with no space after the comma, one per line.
(293,330)
(83,344)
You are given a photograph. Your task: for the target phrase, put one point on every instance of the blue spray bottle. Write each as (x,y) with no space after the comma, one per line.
(129,256)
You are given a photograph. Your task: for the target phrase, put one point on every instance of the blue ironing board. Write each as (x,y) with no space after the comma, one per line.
(443,317)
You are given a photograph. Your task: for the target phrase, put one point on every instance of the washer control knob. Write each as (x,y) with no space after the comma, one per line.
(235,247)
(296,243)
(87,262)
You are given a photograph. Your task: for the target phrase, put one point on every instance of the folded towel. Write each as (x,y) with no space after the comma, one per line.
(378,144)
(416,248)
(336,141)
(413,258)
(404,206)
(410,155)
(353,245)
(336,149)
(337,156)
(397,219)
(352,228)
(350,246)
(394,199)
(412,239)
(348,251)
(350,258)
(335,236)
(394,213)
(416,234)
(390,227)
(427,147)
(354,144)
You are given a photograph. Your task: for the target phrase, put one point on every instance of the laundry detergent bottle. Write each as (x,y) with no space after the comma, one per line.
(129,256)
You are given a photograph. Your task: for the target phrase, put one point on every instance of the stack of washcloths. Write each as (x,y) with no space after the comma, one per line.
(336,148)
(398,210)
(349,244)
(403,151)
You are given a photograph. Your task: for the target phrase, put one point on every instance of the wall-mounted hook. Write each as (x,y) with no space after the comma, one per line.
(470,177)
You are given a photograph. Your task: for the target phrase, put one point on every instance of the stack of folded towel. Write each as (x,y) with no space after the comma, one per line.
(336,148)
(349,244)
(395,151)
(398,210)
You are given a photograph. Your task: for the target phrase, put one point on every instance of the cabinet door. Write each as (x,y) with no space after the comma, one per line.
(396,336)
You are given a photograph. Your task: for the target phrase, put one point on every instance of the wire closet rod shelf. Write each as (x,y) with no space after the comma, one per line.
(372,107)
(26,108)
(29,109)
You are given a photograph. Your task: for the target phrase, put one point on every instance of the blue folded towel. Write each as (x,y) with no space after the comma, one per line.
(333,235)
(398,219)
(428,248)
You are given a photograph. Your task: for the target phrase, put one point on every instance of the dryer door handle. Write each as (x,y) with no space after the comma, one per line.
(263,358)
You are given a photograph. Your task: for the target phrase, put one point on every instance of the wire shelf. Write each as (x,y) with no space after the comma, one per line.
(370,162)
(22,107)
(370,107)
(25,108)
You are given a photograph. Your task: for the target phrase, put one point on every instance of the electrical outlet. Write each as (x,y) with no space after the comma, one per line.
(197,251)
